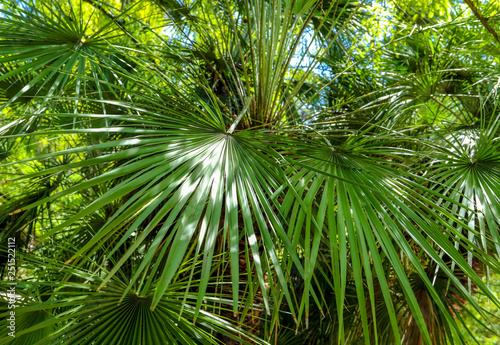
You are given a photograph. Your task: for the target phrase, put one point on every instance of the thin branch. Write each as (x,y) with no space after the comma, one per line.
(482,19)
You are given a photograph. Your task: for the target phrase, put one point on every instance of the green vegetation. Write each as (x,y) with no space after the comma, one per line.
(249,171)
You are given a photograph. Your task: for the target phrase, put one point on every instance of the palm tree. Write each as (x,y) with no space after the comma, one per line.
(207,172)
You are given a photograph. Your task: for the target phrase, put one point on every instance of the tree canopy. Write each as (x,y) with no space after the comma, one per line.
(254,172)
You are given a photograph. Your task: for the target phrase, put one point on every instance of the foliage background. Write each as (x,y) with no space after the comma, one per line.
(303,172)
